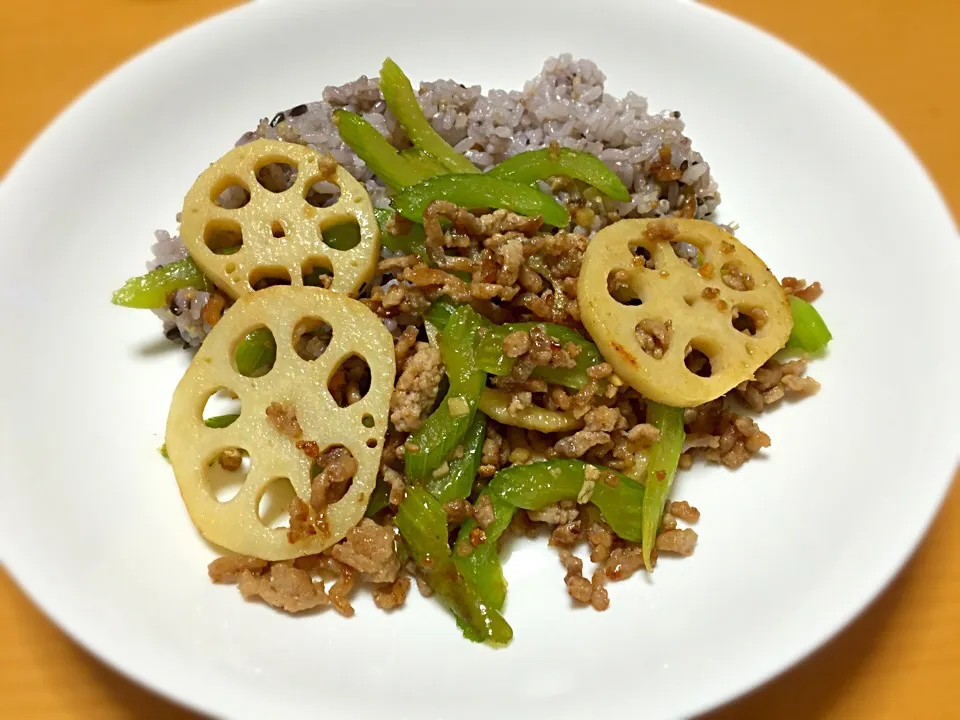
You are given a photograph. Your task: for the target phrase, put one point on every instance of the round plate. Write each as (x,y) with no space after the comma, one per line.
(791,547)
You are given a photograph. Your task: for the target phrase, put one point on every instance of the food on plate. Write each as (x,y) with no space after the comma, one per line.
(440,319)
(721,306)
(287,416)
(246,221)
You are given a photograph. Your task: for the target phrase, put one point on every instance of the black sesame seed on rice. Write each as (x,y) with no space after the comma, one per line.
(298,111)
(277,119)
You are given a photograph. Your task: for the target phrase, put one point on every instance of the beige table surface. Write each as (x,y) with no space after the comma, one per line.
(900,659)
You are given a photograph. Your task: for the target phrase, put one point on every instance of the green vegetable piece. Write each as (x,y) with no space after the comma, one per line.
(539,484)
(482,566)
(217,422)
(376,151)
(409,244)
(810,333)
(440,312)
(533,165)
(457,351)
(344,236)
(423,526)
(153,289)
(490,355)
(402,101)
(379,499)
(442,431)
(664,457)
(256,353)
(314,277)
(424,162)
(457,483)
(437,437)
(491,358)
(468,632)
(480,191)
(221,421)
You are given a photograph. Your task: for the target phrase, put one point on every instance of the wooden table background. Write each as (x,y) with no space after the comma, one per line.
(900,658)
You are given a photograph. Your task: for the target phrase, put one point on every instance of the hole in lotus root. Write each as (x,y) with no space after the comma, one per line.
(255,353)
(274,503)
(226,472)
(278,176)
(317,273)
(230,193)
(342,236)
(350,382)
(749,321)
(311,336)
(697,360)
(620,289)
(223,237)
(322,193)
(222,408)
(262,278)
(643,257)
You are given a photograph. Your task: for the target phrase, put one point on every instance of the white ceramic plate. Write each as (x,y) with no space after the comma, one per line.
(791,547)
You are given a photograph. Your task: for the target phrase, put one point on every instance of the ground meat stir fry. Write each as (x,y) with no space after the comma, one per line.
(367,553)
(229,569)
(285,587)
(801,289)
(369,549)
(775,381)
(515,272)
(524,382)
(416,388)
(586,592)
(535,348)
(509,271)
(722,435)
(615,559)
(680,542)
(393,595)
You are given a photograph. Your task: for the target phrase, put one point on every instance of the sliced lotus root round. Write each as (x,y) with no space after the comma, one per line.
(288,417)
(680,335)
(244,235)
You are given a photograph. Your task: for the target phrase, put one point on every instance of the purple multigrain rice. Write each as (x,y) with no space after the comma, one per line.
(565,103)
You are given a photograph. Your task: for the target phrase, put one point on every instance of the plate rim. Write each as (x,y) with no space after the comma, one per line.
(213,702)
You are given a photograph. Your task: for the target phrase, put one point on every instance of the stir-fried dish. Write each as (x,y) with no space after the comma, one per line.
(434,320)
